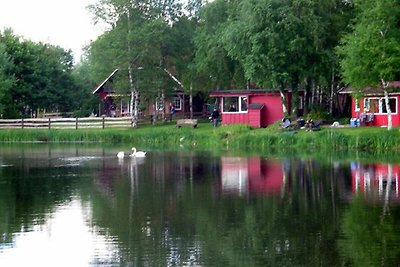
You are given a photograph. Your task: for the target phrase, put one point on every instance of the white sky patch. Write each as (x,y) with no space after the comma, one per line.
(66,23)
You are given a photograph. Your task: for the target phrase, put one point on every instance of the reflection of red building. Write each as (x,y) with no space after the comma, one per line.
(371,178)
(251,175)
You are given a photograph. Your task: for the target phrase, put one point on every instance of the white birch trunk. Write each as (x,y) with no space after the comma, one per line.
(388,110)
(163,102)
(283,101)
(132,104)
(332,92)
(191,100)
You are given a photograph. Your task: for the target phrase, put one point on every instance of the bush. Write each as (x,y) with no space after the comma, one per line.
(318,113)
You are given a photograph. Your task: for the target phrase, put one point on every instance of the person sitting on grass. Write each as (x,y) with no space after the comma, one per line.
(309,124)
(286,123)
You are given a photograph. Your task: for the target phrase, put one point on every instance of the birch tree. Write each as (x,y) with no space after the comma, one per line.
(371,52)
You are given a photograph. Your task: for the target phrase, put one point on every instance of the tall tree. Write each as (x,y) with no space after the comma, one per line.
(275,41)
(135,40)
(41,75)
(371,53)
(212,59)
(7,82)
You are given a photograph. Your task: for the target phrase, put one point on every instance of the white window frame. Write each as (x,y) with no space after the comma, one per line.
(239,107)
(159,104)
(356,105)
(367,105)
(177,102)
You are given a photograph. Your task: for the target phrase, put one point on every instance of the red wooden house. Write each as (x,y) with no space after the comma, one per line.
(111,104)
(370,110)
(257,108)
(117,105)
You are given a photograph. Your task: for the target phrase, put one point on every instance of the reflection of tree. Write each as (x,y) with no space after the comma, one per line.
(370,238)
(27,197)
(167,221)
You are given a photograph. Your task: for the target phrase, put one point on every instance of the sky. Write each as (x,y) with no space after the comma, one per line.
(65,23)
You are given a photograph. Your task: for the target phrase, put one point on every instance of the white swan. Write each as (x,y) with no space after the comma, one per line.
(138,154)
(121,155)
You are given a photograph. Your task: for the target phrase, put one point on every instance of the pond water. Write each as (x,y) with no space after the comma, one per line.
(79,205)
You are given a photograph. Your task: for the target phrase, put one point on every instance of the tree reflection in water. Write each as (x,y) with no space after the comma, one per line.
(190,208)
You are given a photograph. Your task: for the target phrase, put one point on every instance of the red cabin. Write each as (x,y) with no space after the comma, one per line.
(256,108)
(370,110)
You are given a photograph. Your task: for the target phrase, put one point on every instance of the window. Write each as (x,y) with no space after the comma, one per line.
(357,105)
(235,104)
(301,102)
(159,104)
(392,105)
(378,105)
(177,102)
(367,104)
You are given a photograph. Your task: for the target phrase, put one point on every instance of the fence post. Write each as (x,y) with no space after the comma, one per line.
(22,123)
(104,117)
(76,123)
(49,123)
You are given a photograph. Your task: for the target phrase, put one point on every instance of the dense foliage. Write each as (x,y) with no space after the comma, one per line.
(209,45)
(36,77)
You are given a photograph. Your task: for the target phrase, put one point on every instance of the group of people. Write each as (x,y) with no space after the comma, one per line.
(300,124)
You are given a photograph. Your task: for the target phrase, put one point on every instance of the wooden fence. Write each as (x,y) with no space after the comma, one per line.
(67,123)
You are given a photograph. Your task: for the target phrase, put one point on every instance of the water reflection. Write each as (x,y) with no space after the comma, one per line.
(189,208)
(376,181)
(64,239)
(252,175)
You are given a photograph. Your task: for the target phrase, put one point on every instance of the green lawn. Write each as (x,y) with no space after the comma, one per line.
(224,137)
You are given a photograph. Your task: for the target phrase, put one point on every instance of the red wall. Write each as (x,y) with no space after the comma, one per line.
(379,119)
(255,117)
(270,113)
(272,110)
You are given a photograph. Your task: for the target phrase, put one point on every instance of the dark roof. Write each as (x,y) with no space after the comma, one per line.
(244,92)
(258,106)
(104,82)
(374,90)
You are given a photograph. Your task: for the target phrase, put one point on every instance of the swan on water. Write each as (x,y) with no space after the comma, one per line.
(121,155)
(138,154)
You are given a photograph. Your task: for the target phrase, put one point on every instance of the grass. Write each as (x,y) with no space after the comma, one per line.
(240,137)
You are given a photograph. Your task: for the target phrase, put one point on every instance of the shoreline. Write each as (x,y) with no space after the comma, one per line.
(242,137)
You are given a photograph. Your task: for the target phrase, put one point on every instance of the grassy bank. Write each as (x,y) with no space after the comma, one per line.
(232,137)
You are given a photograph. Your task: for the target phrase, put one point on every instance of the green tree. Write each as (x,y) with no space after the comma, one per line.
(212,60)
(38,76)
(134,42)
(371,52)
(6,82)
(276,41)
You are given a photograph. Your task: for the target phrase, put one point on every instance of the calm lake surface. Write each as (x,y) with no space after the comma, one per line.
(78,205)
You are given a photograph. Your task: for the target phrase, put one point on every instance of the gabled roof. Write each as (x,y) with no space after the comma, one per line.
(373,90)
(104,82)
